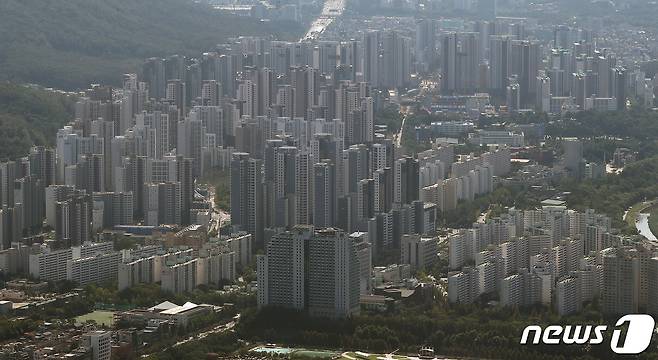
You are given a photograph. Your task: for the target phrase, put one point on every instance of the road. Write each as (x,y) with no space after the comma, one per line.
(331,10)
(200,336)
(638,216)
(642,225)
(483,217)
(398,137)
(219,216)
(426,87)
(406,111)
(216,330)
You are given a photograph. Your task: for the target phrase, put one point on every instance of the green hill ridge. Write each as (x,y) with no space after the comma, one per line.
(30,116)
(69,44)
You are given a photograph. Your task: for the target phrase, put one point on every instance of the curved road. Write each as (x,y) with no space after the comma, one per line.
(642,225)
(641,213)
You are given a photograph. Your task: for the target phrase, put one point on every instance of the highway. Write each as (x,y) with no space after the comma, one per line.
(331,10)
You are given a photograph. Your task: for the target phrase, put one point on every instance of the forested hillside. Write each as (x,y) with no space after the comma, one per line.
(69,44)
(30,116)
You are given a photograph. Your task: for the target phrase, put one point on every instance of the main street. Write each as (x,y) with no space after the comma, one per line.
(219,216)
(427,87)
(405,111)
(331,10)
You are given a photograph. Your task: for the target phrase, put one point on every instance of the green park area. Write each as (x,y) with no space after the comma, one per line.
(103,318)
(360,356)
(311,354)
(297,353)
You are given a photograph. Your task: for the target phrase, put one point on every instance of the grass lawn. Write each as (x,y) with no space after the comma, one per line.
(104,318)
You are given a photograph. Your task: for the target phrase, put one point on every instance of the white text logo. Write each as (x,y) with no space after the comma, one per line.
(637,339)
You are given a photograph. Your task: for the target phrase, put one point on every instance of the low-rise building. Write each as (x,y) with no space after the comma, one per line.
(392,273)
(180,315)
(100,343)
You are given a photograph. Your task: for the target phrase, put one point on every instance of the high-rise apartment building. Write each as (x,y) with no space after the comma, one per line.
(460,62)
(324,194)
(247,196)
(621,282)
(312,270)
